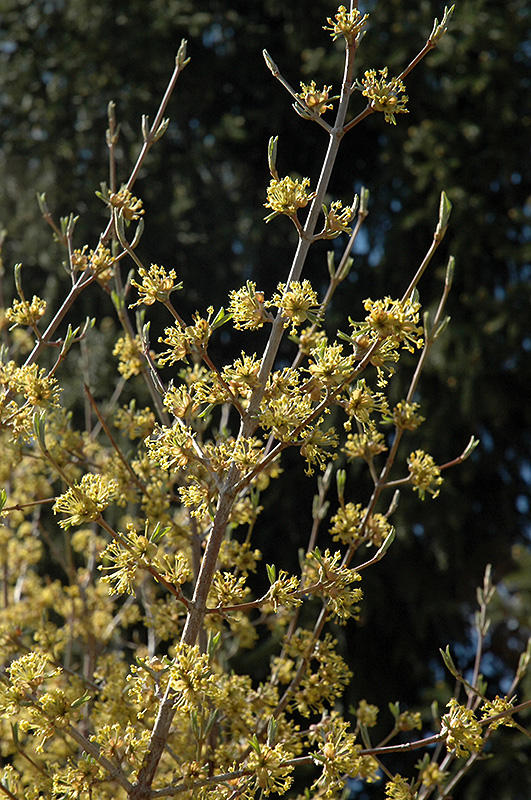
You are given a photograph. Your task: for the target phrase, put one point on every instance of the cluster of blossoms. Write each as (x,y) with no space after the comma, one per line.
(84,502)
(125,202)
(246,305)
(24,313)
(100,262)
(286,196)
(314,99)
(24,391)
(354,525)
(383,94)
(425,474)
(131,359)
(346,23)
(156,286)
(462,730)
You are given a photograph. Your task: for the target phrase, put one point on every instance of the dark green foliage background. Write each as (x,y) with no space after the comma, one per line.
(467,133)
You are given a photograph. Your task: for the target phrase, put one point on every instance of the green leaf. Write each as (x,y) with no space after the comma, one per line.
(388,541)
(39,428)
(341,479)
(272,156)
(81,700)
(445,208)
(448,661)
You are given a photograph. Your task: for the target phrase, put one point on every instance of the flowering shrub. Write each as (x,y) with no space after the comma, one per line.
(116,678)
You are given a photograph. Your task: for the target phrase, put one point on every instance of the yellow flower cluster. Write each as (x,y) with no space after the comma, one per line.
(298,302)
(314,99)
(24,313)
(365,445)
(383,94)
(394,319)
(334,583)
(286,196)
(461,730)
(352,526)
(329,365)
(124,201)
(190,677)
(156,286)
(367,714)
(338,755)
(424,473)
(131,357)
(346,23)
(398,789)
(23,391)
(433,776)
(186,340)
(361,403)
(337,219)
(325,675)
(405,416)
(270,767)
(99,261)
(498,706)
(85,501)
(246,306)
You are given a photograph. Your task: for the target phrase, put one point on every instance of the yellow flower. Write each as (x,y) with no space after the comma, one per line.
(362,402)
(398,789)
(405,416)
(85,501)
(171,446)
(462,730)
(433,776)
(195,496)
(315,99)
(124,201)
(101,263)
(286,196)
(367,714)
(190,677)
(271,772)
(285,413)
(298,303)
(156,286)
(335,584)
(30,671)
(365,445)
(314,448)
(37,388)
(242,374)
(329,365)
(192,339)
(247,307)
(129,351)
(396,319)
(24,313)
(497,706)
(409,721)
(383,94)
(346,23)
(337,219)
(425,474)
